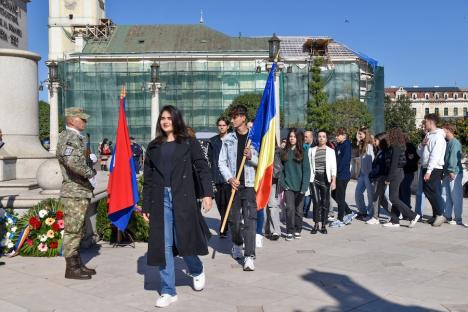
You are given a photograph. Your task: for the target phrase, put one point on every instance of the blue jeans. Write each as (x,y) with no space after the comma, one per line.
(307,202)
(420,196)
(452,194)
(260,221)
(362,185)
(167,272)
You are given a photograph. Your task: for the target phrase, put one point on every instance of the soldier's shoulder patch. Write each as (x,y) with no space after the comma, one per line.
(68,151)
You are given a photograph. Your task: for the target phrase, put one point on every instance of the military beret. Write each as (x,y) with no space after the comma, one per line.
(76,112)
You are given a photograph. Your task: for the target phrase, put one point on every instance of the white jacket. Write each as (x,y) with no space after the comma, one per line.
(330,166)
(433,153)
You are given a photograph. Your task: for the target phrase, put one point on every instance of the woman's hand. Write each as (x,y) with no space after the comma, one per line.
(146,216)
(207,203)
(333,186)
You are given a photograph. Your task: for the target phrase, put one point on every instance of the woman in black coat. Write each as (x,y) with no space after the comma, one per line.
(174,163)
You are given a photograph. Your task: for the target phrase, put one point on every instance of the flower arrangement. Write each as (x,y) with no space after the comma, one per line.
(43,230)
(8,229)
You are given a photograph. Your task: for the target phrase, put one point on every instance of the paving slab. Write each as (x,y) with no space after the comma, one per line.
(356,268)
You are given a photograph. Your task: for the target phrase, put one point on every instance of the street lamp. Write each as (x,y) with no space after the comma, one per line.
(154,72)
(154,85)
(53,71)
(54,84)
(274,44)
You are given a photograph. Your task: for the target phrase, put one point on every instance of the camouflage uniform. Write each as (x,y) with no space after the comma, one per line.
(76,191)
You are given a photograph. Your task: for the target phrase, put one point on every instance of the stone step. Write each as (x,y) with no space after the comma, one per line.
(19,184)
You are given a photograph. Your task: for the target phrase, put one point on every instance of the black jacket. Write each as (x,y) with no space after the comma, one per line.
(379,164)
(214,148)
(412,158)
(395,160)
(191,230)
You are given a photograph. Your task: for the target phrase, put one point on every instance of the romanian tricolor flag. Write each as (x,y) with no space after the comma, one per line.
(263,139)
(122,186)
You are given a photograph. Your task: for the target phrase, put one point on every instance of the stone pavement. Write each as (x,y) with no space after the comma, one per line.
(357,268)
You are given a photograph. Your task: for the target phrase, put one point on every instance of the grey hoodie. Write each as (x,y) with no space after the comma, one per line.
(432,154)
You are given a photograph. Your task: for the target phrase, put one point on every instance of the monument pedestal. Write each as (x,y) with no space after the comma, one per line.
(22,153)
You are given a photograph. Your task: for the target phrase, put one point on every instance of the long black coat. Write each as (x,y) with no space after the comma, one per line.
(191,229)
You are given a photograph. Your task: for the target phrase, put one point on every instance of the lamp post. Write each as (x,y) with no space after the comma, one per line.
(53,84)
(154,85)
(274,45)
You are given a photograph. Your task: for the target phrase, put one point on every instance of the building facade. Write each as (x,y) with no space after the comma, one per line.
(201,71)
(447,102)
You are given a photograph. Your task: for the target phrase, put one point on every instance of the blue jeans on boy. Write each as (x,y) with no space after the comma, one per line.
(167,272)
(452,194)
(420,196)
(260,221)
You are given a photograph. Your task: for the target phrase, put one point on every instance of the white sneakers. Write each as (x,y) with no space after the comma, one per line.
(414,221)
(249,264)
(391,225)
(236,252)
(373,221)
(258,240)
(165,300)
(199,281)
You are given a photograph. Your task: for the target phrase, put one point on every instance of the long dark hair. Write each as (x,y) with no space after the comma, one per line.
(366,141)
(299,148)
(396,137)
(178,125)
(383,143)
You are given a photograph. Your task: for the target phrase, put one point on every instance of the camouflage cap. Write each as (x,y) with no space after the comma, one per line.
(76,112)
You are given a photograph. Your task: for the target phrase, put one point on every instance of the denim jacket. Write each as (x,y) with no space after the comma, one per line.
(228,161)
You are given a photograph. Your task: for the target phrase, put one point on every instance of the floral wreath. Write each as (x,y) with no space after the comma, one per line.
(42,230)
(8,220)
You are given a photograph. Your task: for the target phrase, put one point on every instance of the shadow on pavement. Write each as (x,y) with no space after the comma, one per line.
(351,296)
(89,253)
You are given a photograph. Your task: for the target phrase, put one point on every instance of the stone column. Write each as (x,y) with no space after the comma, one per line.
(54,121)
(154,87)
(277,108)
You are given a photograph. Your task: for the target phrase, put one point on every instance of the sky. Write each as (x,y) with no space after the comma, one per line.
(423,43)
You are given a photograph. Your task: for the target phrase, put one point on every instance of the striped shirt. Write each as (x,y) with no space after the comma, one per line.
(320,159)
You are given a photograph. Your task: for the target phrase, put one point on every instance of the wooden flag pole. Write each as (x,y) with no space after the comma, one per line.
(233,191)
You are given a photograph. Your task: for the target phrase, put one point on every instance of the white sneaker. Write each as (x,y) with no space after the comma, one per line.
(258,240)
(199,281)
(372,221)
(237,252)
(391,225)
(414,221)
(452,222)
(165,300)
(249,264)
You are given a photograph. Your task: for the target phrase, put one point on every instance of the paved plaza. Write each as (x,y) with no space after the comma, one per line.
(357,268)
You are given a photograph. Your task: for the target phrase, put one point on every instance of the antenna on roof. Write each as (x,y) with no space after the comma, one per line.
(202,21)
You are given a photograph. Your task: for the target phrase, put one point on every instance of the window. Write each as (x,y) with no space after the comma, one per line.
(455,96)
(455,111)
(426,96)
(436,111)
(436,96)
(445,96)
(465,96)
(426,111)
(465,111)
(414,111)
(445,111)
(415,96)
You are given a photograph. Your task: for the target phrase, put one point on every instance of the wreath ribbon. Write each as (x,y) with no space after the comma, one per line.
(21,239)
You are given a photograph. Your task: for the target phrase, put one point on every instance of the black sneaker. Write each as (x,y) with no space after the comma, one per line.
(274,236)
(297,235)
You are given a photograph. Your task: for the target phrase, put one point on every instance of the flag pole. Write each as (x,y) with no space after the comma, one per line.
(233,191)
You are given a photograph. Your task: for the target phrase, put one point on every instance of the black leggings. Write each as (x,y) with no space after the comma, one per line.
(320,191)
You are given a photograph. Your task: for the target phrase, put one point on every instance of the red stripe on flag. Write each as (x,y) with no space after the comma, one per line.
(264,188)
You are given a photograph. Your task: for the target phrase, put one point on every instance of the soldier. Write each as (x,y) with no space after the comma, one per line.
(77,189)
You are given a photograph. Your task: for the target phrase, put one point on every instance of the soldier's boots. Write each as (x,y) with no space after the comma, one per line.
(73,269)
(83,268)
